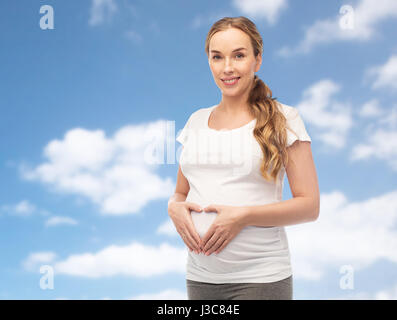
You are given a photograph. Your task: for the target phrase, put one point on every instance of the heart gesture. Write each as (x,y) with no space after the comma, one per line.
(227,224)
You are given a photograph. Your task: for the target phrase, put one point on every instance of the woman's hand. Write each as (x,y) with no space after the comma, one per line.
(179,212)
(227,224)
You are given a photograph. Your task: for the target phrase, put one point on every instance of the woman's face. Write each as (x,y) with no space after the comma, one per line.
(227,62)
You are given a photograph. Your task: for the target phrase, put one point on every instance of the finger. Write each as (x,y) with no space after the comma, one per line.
(210,242)
(185,239)
(215,246)
(192,233)
(194,207)
(196,242)
(210,208)
(208,235)
(187,243)
(190,240)
(223,245)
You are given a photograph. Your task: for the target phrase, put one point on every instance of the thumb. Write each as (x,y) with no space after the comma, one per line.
(210,208)
(195,207)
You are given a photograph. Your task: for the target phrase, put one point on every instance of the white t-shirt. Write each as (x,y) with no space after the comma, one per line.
(223,167)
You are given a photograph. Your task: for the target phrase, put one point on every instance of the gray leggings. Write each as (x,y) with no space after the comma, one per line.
(279,290)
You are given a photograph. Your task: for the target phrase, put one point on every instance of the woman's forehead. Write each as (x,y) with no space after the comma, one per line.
(229,40)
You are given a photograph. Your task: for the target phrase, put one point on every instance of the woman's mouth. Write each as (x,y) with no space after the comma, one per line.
(231,82)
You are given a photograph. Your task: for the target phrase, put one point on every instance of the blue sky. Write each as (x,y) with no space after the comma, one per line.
(79,103)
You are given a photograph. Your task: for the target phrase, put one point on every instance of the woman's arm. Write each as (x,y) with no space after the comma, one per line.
(305,204)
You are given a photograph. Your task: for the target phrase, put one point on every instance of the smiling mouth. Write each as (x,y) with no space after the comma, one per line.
(231,82)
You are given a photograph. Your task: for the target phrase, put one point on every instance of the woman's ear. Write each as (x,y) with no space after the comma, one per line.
(258,62)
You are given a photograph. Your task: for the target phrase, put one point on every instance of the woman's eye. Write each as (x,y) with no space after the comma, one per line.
(240,54)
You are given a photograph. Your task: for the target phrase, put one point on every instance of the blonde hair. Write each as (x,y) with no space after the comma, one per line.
(270,130)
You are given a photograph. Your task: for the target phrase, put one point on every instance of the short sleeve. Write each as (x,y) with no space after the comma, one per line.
(183,135)
(295,127)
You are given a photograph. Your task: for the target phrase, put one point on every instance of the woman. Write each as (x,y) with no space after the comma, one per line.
(231,215)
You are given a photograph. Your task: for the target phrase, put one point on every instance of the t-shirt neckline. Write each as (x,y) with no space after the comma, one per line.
(224,130)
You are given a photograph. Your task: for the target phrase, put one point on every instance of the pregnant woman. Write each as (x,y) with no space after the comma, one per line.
(228,205)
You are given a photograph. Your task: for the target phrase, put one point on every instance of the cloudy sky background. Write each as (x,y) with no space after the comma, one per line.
(83,104)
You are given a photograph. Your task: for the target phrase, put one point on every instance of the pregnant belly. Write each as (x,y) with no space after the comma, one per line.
(250,246)
(202,221)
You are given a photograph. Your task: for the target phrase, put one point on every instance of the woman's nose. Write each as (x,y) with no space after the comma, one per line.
(228,65)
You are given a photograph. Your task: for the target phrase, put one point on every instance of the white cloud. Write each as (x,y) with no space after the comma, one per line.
(167,228)
(384,294)
(208,19)
(101,10)
(135,259)
(169,294)
(352,295)
(379,139)
(58,220)
(390,118)
(116,173)
(133,35)
(346,233)
(385,75)
(366,14)
(270,10)
(34,260)
(23,208)
(381,144)
(199,21)
(387,294)
(330,119)
(371,109)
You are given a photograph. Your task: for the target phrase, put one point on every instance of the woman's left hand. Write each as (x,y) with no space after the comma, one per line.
(227,224)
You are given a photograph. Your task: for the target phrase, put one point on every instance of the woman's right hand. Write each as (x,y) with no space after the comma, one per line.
(179,212)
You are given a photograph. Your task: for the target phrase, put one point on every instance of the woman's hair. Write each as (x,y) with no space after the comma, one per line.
(270,129)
